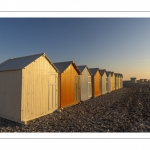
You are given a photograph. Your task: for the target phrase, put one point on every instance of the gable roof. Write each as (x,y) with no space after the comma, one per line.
(21,62)
(108,73)
(103,71)
(116,74)
(112,73)
(119,75)
(62,66)
(94,70)
(133,78)
(81,68)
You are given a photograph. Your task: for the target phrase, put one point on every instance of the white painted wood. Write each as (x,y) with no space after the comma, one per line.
(104,84)
(116,82)
(86,86)
(10,95)
(109,83)
(30,92)
(39,89)
(53,91)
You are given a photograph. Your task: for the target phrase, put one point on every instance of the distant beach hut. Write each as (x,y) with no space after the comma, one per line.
(133,79)
(138,81)
(85,82)
(104,81)
(116,81)
(96,81)
(29,88)
(69,81)
(112,81)
(121,80)
(119,76)
(141,80)
(109,81)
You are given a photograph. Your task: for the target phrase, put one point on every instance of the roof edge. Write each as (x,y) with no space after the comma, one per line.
(96,71)
(85,66)
(44,54)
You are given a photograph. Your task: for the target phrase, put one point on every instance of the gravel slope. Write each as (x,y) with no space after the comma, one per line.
(123,110)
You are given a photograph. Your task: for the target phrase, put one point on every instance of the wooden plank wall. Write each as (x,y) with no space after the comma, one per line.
(109,83)
(10,95)
(113,82)
(116,82)
(35,89)
(97,84)
(84,85)
(119,82)
(67,87)
(104,83)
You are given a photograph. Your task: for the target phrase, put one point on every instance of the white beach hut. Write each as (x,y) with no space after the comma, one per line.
(104,81)
(116,81)
(109,81)
(29,88)
(85,82)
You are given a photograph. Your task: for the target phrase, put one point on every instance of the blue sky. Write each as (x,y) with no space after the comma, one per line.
(121,45)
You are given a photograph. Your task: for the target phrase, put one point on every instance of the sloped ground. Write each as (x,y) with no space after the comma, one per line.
(123,110)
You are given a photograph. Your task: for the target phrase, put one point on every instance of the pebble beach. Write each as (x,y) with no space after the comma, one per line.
(123,110)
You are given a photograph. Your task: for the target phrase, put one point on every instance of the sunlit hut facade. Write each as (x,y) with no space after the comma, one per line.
(29,88)
(96,82)
(112,81)
(69,83)
(119,81)
(104,81)
(109,86)
(116,81)
(85,82)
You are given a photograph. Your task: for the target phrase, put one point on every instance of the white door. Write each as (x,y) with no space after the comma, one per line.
(53,91)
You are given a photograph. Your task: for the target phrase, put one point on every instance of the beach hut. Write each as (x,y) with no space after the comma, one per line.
(104,81)
(29,88)
(96,82)
(116,81)
(109,81)
(85,82)
(133,80)
(112,81)
(69,81)
(141,80)
(120,80)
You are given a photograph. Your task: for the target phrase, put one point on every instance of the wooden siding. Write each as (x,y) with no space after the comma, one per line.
(109,83)
(85,83)
(121,82)
(116,83)
(113,82)
(97,84)
(104,78)
(10,95)
(38,81)
(67,87)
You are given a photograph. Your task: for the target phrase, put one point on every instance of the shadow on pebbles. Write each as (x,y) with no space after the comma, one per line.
(123,110)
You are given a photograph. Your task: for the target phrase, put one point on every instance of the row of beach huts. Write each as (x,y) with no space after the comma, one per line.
(33,86)
(134,80)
